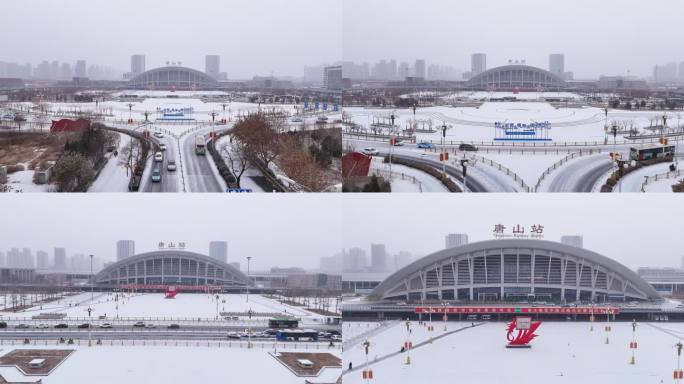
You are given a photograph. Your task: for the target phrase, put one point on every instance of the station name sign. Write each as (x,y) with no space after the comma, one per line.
(527,310)
(171,245)
(535,231)
(506,125)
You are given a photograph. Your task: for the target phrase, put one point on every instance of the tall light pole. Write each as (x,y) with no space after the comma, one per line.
(408,344)
(678,374)
(633,343)
(249,281)
(444,157)
(391,143)
(92,280)
(464,168)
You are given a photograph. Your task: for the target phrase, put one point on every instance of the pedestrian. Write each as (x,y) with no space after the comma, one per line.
(350,365)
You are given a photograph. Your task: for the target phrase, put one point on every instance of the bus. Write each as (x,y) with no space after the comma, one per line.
(297,335)
(283,322)
(200,145)
(649,152)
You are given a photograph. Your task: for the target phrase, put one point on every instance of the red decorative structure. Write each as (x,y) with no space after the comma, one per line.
(525,327)
(355,164)
(171,292)
(67,125)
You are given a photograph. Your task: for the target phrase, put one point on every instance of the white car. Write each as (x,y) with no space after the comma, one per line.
(370,151)
(158,157)
(150,325)
(171,165)
(159,135)
(106,325)
(42,326)
(162,147)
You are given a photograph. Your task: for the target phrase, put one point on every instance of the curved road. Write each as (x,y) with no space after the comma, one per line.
(473,185)
(581,175)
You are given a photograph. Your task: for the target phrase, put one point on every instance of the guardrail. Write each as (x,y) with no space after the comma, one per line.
(562,161)
(386,174)
(305,346)
(660,176)
(505,170)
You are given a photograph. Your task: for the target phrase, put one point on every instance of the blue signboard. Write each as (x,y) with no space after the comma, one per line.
(239,190)
(306,105)
(317,105)
(336,107)
(325,106)
(536,131)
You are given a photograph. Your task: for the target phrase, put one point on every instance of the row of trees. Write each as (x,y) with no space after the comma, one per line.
(77,168)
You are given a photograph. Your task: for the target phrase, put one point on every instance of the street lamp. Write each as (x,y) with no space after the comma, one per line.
(249,258)
(464,167)
(92,280)
(678,374)
(408,344)
(633,343)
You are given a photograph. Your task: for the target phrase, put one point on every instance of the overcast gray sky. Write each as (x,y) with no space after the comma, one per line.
(597,37)
(276,230)
(636,230)
(252,36)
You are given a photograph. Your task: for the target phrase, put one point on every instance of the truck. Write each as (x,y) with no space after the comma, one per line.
(200,146)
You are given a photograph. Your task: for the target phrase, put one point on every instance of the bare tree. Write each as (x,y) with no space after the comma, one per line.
(238,161)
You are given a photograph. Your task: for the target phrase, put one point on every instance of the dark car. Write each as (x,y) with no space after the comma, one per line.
(62,325)
(139,324)
(3,324)
(467,148)
(173,326)
(84,325)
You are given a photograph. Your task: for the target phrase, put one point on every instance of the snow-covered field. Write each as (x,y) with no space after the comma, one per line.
(564,352)
(154,305)
(634,180)
(197,363)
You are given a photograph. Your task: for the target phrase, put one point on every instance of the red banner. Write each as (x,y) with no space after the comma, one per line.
(518,310)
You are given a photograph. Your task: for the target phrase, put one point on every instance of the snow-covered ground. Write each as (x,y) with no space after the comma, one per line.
(154,305)
(407,179)
(22,181)
(634,180)
(115,175)
(564,352)
(528,165)
(196,363)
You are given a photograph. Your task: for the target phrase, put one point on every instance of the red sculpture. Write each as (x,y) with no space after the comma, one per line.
(525,327)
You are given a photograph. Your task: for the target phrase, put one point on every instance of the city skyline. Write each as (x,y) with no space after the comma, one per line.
(227,30)
(617,234)
(448,33)
(177,219)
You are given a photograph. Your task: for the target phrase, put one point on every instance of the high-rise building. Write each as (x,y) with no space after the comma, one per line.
(212,65)
(42,260)
(137,64)
(80,69)
(378,258)
(573,240)
(124,249)
(402,259)
(557,64)
(3,261)
(27,258)
(331,264)
(14,258)
(218,250)
(453,240)
(419,69)
(665,73)
(404,70)
(332,77)
(681,71)
(478,63)
(60,259)
(354,260)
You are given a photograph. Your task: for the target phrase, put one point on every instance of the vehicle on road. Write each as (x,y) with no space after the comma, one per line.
(106,325)
(139,324)
(156,175)
(150,325)
(467,148)
(3,324)
(22,326)
(162,147)
(42,326)
(62,326)
(158,157)
(322,120)
(173,326)
(159,135)
(200,145)
(370,151)
(425,145)
(84,326)
(296,119)
(336,338)
(297,335)
(281,322)
(649,152)
(171,165)
(398,143)
(233,335)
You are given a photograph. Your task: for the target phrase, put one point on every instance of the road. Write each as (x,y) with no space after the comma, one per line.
(200,172)
(581,175)
(473,184)
(169,179)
